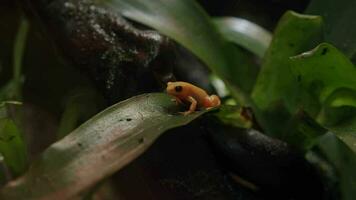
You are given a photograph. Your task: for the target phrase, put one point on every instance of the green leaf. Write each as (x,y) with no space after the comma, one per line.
(343,161)
(188,24)
(340,30)
(12,145)
(245,33)
(294,34)
(98,148)
(327,67)
(276,92)
(329,76)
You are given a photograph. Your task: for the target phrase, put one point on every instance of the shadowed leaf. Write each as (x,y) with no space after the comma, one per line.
(293,35)
(342,160)
(329,76)
(276,92)
(327,66)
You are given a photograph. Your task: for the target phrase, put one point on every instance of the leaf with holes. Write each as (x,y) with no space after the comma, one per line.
(276,92)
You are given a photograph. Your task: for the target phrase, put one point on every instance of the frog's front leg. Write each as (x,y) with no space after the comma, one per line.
(192,107)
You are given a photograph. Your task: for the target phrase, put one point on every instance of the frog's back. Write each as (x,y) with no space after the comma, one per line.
(196,92)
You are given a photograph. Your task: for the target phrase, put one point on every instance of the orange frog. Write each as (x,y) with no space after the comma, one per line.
(187,93)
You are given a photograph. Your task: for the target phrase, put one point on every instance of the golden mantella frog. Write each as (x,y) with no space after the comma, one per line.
(190,94)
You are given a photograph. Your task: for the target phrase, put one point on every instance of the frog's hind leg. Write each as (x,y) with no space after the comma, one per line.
(215,100)
(192,106)
(212,102)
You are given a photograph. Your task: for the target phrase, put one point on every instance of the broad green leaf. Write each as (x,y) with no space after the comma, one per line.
(328,67)
(245,33)
(340,29)
(294,34)
(98,148)
(338,108)
(276,92)
(188,24)
(12,145)
(343,161)
(329,76)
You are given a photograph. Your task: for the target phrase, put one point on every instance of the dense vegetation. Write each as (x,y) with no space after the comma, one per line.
(82,99)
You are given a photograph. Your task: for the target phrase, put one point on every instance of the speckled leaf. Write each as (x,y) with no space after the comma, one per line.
(276,92)
(98,148)
(245,33)
(328,67)
(294,34)
(329,76)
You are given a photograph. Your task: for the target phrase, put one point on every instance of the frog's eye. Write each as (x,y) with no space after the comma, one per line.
(178,88)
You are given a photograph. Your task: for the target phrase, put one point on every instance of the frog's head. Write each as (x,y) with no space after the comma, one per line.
(175,88)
